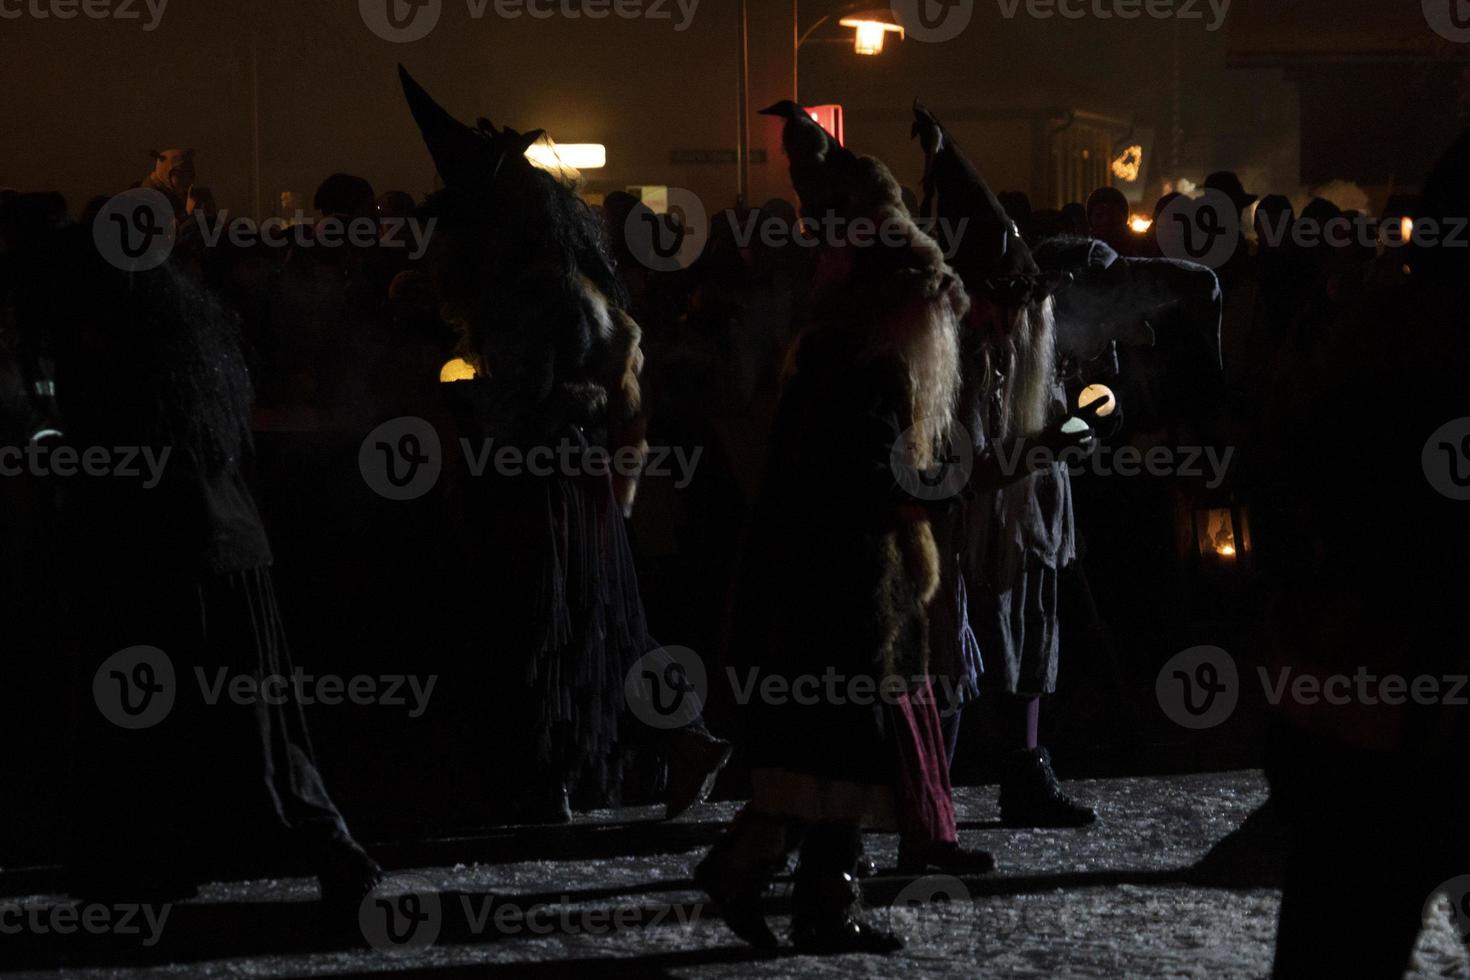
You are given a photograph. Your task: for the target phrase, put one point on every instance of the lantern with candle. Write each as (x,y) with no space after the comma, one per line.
(1222,534)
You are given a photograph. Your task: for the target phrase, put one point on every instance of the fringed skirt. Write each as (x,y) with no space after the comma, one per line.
(570,625)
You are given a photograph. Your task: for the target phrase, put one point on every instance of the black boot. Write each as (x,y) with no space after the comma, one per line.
(737,869)
(695,760)
(1031,797)
(827,900)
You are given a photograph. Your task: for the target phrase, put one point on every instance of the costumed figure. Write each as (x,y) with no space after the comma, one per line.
(521,267)
(175,595)
(1015,534)
(1360,531)
(841,562)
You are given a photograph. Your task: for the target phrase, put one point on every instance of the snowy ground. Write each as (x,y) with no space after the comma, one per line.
(1128,898)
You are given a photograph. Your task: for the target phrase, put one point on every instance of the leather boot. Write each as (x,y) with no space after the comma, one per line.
(695,760)
(737,870)
(827,900)
(1030,795)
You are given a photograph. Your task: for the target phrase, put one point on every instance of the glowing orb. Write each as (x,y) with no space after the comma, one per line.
(1098,393)
(458,369)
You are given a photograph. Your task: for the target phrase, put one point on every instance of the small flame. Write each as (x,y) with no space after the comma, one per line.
(1140,224)
(1226,551)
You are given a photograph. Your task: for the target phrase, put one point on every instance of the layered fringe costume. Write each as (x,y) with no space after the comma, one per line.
(523,270)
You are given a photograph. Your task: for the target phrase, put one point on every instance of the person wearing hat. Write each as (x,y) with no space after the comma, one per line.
(523,264)
(1228,183)
(841,564)
(1015,532)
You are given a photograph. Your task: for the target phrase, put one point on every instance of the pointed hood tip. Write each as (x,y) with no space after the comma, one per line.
(785,109)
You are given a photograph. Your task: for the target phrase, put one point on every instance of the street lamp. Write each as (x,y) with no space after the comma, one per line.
(872,31)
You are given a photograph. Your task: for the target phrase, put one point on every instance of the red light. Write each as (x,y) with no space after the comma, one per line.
(829,117)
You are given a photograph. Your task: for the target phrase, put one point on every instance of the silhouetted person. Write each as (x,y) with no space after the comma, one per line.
(841,562)
(524,264)
(1074,219)
(1107,220)
(177,559)
(1363,541)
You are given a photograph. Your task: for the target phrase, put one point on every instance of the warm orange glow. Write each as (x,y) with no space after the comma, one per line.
(829,117)
(1140,224)
(1406,229)
(1219,535)
(871,34)
(1129,164)
(458,369)
(1098,393)
(562,156)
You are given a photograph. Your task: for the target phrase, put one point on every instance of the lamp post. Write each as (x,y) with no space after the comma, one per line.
(742,134)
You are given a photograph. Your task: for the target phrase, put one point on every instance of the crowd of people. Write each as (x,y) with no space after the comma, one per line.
(860,373)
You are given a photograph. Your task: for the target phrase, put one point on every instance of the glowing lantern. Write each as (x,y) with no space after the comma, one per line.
(1098,393)
(1222,534)
(1140,224)
(1129,164)
(872,32)
(458,369)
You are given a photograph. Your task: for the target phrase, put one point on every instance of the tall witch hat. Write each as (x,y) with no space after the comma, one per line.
(817,162)
(463,155)
(985,246)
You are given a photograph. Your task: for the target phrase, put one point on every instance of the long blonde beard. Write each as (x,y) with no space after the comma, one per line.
(930,355)
(1029,365)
